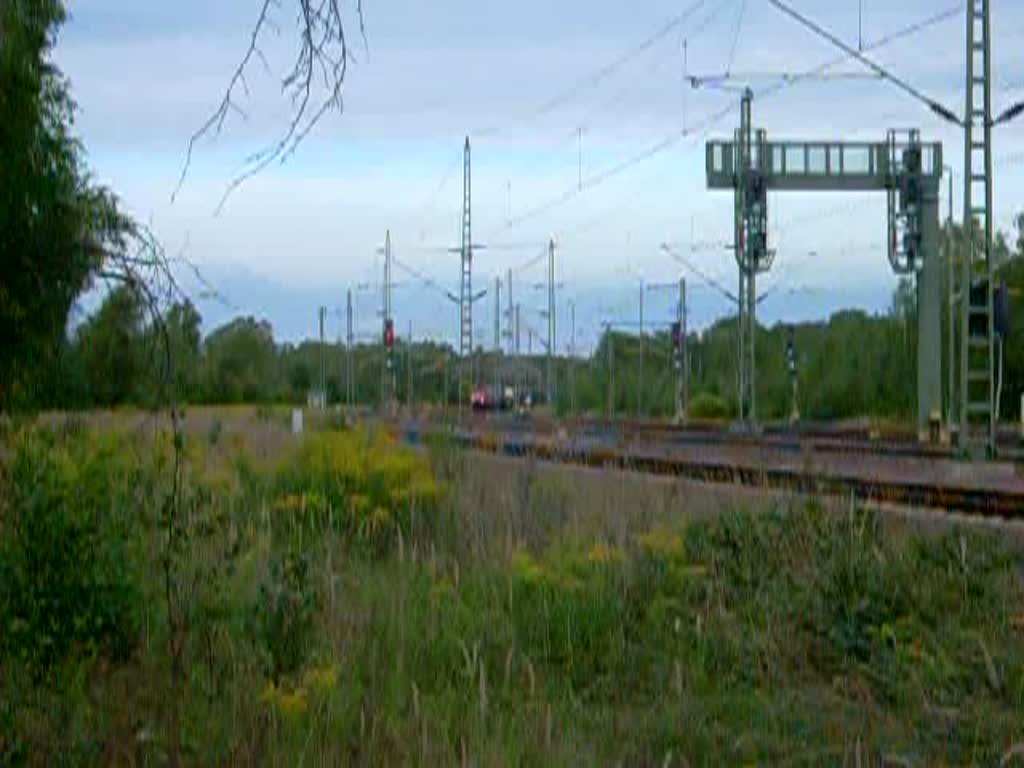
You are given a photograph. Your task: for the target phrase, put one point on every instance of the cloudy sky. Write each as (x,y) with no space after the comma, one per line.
(550,93)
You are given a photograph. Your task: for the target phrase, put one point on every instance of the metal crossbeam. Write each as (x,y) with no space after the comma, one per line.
(817,166)
(908,171)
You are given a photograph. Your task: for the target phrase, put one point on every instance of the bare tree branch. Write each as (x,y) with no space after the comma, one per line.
(314,85)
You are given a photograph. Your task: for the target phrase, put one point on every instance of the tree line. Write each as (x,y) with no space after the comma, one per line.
(851,365)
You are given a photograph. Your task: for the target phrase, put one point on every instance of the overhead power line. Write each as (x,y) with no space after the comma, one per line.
(586,121)
(722,81)
(736,37)
(604,72)
(882,42)
(449,171)
(903,85)
(427,279)
(711,120)
(706,278)
(691,34)
(532,262)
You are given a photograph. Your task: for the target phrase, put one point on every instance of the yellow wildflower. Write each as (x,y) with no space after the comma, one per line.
(602,554)
(662,543)
(321,679)
(288,703)
(527,569)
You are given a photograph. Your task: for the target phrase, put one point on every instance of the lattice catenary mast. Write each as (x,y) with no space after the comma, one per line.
(977,331)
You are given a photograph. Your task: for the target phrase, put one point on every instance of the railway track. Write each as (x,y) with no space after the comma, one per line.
(852,439)
(878,470)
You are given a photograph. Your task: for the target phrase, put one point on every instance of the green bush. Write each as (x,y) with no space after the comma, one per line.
(285,613)
(363,482)
(707,406)
(70,579)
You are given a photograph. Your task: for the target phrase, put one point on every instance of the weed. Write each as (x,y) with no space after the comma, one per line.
(335,606)
(708,406)
(360,483)
(286,612)
(69,570)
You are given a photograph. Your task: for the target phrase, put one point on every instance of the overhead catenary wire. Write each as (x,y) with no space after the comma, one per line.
(882,42)
(700,274)
(604,72)
(427,279)
(532,262)
(736,37)
(706,81)
(903,85)
(585,183)
(524,246)
(566,137)
(714,118)
(781,278)
(446,177)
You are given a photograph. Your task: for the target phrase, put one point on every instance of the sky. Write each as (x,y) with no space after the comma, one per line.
(550,94)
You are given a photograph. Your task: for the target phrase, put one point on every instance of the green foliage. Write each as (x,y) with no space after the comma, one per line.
(852,365)
(510,634)
(363,484)
(1013,345)
(300,380)
(770,633)
(286,612)
(240,363)
(706,406)
(183,350)
(69,569)
(111,349)
(56,225)
(568,612)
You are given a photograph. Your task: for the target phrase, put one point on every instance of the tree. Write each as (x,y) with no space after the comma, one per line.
(300,379)
(241,362)
(1012,273)
(182,326)
(111,348)
(56,226)
(1018,222)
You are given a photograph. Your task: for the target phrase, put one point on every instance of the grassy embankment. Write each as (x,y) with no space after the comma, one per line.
(341,600)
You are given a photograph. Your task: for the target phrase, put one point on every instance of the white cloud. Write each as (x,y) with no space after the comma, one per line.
(146,75)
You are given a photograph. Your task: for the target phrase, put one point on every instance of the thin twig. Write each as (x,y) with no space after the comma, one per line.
(321,64)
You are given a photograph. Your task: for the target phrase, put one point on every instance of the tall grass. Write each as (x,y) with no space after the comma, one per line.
(354,602)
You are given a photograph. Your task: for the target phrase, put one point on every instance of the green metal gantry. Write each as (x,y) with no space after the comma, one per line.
(908,171)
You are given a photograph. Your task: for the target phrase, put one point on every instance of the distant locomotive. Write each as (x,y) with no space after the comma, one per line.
(484,398)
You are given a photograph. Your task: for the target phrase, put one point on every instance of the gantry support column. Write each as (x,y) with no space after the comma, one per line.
(930,300)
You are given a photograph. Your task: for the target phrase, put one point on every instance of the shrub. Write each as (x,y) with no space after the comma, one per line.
(69,573)
(708,406)
(285,613)
(362,483)
(567,611)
